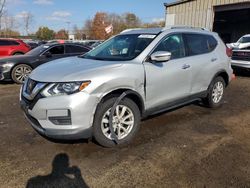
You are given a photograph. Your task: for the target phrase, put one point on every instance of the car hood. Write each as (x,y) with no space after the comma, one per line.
(17,59)
(71,69)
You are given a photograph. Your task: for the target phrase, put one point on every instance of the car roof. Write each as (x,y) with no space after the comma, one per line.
(66,43)
(156,31)
(248,35)
(142,31)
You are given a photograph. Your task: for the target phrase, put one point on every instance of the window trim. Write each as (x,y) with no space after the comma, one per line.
(65,51)
(163,38)
(51,48)
(194,33)
(185,44)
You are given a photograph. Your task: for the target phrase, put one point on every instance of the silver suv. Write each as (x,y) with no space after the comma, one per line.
(105,93)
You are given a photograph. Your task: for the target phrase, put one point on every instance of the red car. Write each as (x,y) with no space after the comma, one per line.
(9,47)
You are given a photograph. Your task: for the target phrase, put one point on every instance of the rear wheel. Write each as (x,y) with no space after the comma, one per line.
(126,122)
(215,95)
(20,73)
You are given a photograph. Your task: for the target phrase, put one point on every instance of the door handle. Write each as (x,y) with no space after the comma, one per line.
(186,66)
(213,59)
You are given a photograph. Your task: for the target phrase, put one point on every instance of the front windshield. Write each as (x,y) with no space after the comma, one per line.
(244,40)
(38,50)
(121,47)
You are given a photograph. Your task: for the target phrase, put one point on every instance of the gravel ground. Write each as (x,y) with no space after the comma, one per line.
(189,147)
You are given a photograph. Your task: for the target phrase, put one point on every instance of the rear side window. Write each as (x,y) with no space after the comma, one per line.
(57,50)
(199,44)
(5,43)
(72,49)
(14,43)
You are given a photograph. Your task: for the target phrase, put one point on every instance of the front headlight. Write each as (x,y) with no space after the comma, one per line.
(6,66)
(67,88)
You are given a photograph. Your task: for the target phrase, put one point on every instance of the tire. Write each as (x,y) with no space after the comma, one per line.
(18,53)
(20,72)
(101,131)
(216,92)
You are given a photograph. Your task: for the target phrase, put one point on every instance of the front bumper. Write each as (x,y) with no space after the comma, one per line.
(5,75)
(241,64)
(81,107)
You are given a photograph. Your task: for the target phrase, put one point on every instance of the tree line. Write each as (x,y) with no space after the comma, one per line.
(93,28)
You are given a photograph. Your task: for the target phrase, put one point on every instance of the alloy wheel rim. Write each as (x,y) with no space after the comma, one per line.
(123,122)
(21,73)
(217,92)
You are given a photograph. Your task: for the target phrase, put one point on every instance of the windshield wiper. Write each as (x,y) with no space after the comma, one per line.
(92,57)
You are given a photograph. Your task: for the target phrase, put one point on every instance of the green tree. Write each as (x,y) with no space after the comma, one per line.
(44,33)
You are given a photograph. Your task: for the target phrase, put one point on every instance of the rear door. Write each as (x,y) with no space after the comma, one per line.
(202,58)
(168,81)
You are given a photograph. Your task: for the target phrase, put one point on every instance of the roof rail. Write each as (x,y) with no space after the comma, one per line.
(132,29)
(185,27)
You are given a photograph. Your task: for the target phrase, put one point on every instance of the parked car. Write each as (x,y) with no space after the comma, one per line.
(241,53)
(17,68)
(32,43)
(9,47)
(105,93)
(96,44)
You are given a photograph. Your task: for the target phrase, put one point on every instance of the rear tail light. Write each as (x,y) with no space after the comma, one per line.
(229,52)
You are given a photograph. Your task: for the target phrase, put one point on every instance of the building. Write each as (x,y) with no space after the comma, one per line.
(230,18)
(71,36)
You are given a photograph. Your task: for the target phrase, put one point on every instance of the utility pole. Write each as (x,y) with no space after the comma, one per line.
(68,22)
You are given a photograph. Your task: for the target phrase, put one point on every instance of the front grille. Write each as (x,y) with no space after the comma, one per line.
(32,88)
(31,84)
(241,55)
(31,92)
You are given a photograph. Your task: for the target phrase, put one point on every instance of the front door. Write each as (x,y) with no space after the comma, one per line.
(53,53)
(168,81)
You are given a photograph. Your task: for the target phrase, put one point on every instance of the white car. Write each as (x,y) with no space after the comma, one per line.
(241,52)
(140,72)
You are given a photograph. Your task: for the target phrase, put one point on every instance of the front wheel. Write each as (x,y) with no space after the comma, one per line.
(126,122)
(20,73)
(215,95)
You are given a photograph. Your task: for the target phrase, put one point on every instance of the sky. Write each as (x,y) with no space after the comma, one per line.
(56,14)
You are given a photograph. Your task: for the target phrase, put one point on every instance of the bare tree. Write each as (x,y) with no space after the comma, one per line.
(2,5)
(9,25)
(28,19)
(87,29)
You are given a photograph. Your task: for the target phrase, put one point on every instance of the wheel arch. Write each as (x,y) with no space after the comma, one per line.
(133,95)
(224,75)
(15,52)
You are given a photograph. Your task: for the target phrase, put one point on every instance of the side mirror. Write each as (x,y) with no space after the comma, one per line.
(48,54)
(160,56)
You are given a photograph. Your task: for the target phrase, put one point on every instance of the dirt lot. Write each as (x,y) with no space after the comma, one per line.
(190,147)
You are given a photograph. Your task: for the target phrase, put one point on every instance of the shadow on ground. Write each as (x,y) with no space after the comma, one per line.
(62,175)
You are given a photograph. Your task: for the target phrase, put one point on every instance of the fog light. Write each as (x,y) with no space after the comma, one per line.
(61,120)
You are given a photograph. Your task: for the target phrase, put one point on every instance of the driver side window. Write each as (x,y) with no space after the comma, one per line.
(173,44)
